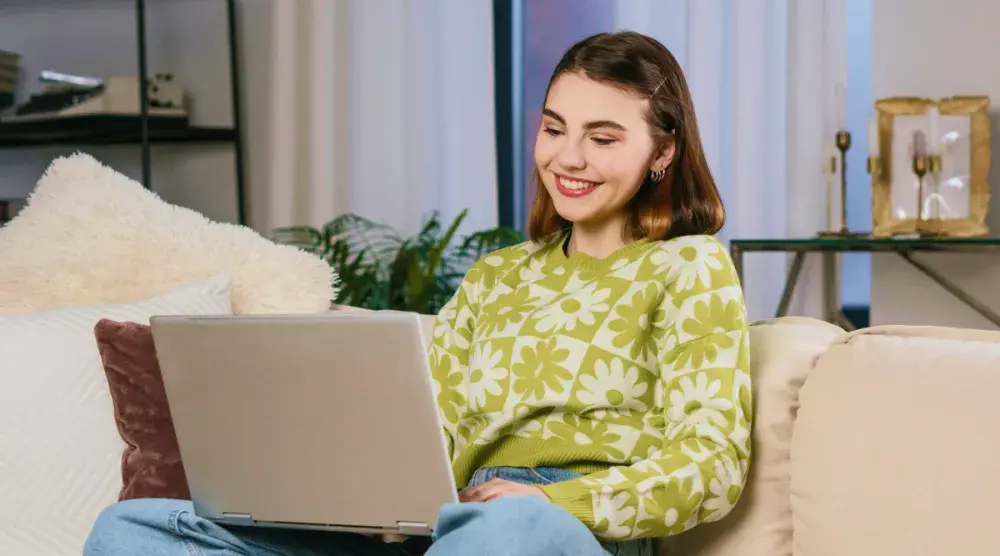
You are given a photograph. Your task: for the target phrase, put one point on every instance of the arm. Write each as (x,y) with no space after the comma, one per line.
(448,353)
(695,472)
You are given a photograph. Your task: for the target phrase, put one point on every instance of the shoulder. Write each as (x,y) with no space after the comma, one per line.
(694,264)
(697,241)
(506,258)
(490,269)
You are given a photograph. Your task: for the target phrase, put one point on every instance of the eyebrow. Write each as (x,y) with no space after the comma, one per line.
(589,125)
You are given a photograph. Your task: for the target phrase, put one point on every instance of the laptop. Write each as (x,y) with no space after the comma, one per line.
(323,421)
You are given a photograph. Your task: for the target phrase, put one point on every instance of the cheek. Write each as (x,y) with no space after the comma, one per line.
(623,168)
(545,149)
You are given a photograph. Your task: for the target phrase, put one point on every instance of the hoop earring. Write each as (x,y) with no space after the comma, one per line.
(658,175)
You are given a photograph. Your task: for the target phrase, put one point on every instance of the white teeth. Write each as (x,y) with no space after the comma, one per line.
(573,184)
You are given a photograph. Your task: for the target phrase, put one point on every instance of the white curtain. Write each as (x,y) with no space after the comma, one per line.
(383,108)
(763,74)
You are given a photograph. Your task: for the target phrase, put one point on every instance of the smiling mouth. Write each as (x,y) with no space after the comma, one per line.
(573,187)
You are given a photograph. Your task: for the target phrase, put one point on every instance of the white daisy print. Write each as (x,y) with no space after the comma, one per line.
(442,326)
(485,375)
(494,260)
(534,271)
(527,427)
(695,403)
(613,389)
(689,262)
(611,477)
(668,519)
(724,488)
(489,427)
(613,513)
(579,308)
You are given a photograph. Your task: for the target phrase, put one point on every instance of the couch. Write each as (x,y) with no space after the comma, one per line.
(874,442)
(866,443)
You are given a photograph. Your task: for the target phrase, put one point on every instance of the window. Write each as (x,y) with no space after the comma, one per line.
(530,38)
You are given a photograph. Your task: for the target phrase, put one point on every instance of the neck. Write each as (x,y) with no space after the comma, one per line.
(598,241)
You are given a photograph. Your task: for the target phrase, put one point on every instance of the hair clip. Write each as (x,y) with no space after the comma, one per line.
(662,81)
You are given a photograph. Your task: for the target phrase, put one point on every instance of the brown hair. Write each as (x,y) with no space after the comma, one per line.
(685,201)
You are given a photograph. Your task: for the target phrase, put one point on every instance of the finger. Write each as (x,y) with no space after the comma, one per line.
(507,490)
(494,495)
(470,493)
(488,492)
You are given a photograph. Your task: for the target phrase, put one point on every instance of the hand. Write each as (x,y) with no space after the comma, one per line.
(498,488)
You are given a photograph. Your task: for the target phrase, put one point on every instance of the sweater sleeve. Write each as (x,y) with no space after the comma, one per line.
(449,352)
(696,468)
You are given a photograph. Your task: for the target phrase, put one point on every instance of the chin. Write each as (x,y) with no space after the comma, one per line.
(574,215)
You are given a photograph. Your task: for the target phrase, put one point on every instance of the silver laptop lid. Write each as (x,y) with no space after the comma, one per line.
(314,421)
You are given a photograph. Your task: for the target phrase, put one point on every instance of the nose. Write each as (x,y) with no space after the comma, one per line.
(570,156)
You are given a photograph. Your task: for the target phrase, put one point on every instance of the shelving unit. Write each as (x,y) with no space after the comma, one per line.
(143,130)
(109,130)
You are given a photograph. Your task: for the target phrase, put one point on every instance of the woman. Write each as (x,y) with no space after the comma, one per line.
(593,382)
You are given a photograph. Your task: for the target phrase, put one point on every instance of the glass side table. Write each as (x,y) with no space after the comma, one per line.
(829,248)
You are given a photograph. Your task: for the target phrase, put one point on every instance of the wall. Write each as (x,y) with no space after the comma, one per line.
(185,37)
(930,48)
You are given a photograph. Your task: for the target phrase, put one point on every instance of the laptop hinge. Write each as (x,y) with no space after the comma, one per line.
(237,519)
(412,527)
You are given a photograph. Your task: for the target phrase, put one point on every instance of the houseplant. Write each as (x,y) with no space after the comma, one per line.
(379,269)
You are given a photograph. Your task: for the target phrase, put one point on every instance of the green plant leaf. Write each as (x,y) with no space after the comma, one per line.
(378,269)
(379,241)
(304,237)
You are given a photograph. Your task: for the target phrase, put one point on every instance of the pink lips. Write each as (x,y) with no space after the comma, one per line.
(574,192)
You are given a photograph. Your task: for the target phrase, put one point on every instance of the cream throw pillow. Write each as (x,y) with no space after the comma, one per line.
(91,235)
(60,452)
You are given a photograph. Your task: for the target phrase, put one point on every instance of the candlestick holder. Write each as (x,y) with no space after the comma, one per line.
(843,144)
(829,171)
(921,164)
(934,168)
(874,166)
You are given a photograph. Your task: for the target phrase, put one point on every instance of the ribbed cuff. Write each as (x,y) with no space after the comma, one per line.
(574,497)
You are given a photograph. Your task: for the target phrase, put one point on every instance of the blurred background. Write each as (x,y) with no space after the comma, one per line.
(297,113)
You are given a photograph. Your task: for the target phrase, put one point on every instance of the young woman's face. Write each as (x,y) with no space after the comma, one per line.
(594,149)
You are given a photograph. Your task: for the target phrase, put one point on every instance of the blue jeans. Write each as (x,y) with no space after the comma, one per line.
(515,526)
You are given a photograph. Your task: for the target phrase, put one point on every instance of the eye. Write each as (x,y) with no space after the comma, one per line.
(603,141)
(552,132)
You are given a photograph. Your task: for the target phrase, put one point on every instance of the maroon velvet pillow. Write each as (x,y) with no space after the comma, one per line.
(151,463)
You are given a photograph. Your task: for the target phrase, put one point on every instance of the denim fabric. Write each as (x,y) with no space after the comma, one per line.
(542,476)
(516,526)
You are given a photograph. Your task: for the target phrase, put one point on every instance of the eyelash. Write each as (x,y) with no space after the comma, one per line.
(599,140)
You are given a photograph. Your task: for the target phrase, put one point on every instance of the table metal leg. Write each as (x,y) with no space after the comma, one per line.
(829,286)
(736,254)
(953,289)
(790,282)
(832,312)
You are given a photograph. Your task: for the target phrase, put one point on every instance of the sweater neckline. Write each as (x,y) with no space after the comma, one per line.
(584,260)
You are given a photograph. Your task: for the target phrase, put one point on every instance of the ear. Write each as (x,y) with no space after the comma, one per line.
(664,157)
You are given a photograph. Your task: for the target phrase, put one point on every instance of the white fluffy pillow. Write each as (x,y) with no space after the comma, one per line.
(60,452)
(89,235)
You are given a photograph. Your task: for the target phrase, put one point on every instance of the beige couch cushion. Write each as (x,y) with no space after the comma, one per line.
(782,353)
(896,447)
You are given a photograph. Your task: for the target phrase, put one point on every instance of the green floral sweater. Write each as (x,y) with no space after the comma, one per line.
(632,370)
